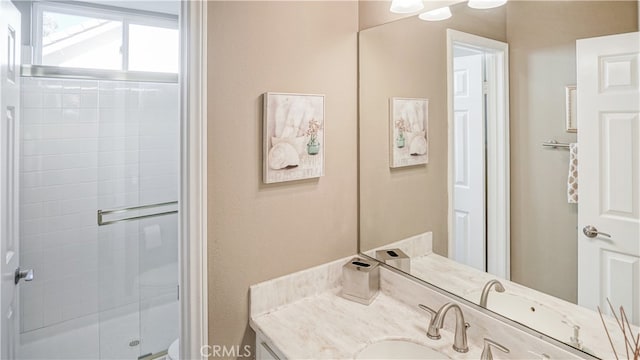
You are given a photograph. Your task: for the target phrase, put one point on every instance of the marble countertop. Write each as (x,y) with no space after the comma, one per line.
(302,316)
(327,326)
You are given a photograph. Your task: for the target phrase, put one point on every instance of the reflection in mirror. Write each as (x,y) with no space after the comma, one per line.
(477,86)
(493,202)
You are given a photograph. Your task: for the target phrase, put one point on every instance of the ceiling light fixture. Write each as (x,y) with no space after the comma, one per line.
(486,4)
(439,14)
(406,6)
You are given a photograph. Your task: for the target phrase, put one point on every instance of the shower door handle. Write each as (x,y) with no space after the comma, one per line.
(27,275)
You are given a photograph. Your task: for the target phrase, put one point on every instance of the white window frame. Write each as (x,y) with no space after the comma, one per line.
(126,16)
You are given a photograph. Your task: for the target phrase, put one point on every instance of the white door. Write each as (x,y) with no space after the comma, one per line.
(469,160)
(608,182)
(9,113)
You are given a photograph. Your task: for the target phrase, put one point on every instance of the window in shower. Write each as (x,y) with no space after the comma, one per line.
(152,48)
(92,38)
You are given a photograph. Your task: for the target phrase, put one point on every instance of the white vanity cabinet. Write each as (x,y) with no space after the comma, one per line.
(265,351)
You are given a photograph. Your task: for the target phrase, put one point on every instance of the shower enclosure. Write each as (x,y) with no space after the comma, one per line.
(96,156)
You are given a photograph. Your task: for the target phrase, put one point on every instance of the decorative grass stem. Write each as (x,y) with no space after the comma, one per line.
(631,341)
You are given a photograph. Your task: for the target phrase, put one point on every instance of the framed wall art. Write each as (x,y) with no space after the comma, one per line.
(409,138)
(293,131)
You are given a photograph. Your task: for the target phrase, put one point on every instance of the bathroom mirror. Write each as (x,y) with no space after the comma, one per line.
(496,198)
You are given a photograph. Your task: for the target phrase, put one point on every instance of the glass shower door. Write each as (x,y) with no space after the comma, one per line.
(138,167)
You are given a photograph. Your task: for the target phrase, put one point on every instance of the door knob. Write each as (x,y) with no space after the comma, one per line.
(27,275)
(590,231)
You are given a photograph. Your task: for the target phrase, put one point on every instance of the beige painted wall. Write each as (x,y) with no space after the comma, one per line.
(258,232)
(541,38)
(408,59)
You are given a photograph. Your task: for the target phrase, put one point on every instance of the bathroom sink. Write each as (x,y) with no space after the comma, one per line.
(398,349)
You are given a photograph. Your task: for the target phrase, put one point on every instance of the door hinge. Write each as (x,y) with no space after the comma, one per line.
(485,87)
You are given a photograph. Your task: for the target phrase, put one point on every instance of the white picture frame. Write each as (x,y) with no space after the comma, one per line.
(408,132)
(571,120)
(293,137)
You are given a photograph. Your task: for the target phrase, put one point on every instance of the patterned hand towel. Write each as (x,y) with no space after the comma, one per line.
(572,181)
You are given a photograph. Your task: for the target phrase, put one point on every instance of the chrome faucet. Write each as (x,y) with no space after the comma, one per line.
(437,321)
(487,288)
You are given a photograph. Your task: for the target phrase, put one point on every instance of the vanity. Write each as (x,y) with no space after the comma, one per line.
(303,316)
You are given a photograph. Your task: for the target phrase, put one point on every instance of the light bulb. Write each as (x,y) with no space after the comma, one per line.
(442,13)
(486,4)
(406,6)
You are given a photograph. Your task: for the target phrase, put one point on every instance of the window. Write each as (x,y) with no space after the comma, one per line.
(153,49)
(85,37)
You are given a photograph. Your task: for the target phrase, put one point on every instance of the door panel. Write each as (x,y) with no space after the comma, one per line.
(620,272)
(618,156)
(608,164)
(461,156)
(9,114)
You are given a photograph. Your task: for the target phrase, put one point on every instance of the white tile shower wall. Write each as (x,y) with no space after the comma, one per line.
(89,145)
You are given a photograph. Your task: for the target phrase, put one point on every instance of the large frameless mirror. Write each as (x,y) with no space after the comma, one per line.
(522,184)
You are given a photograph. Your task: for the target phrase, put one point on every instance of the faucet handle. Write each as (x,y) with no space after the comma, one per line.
(575,339)
(427,309)
(432,331)
(486,351)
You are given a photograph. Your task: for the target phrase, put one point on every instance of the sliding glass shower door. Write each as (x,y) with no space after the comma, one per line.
(99,170)
(138,172)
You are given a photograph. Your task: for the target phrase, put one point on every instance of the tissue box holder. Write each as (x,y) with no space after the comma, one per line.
(360,280)
(396,258)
